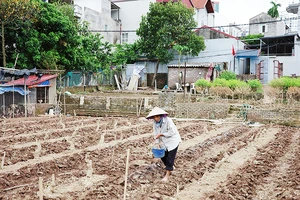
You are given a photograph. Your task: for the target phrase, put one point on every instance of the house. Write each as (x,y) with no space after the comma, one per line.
(219,55)
(266,25)
(130,21)
(102,16)
(277,54)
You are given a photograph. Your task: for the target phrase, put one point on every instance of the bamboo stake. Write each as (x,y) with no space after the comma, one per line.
(126,173)
(98,125)
(41,193)
(112,156)
(53,180)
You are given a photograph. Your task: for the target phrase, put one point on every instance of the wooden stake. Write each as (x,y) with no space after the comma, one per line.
(126,173)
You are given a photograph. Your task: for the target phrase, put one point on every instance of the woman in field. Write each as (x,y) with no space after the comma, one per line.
(165,131)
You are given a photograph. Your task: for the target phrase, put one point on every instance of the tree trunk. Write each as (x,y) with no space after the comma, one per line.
(3,44)
(154,77)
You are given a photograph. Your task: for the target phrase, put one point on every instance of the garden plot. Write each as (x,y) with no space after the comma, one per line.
(86,158)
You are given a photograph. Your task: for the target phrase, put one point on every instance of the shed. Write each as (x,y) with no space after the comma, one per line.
(27,91)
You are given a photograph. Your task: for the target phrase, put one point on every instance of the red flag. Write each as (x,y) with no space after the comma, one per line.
(233,51)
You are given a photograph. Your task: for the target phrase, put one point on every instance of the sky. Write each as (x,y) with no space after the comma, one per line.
(240,11)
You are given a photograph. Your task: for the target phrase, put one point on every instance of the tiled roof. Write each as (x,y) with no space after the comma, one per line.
(201,4)
(188,3)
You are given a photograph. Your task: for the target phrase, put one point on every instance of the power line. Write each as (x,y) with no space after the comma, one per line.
(207,27)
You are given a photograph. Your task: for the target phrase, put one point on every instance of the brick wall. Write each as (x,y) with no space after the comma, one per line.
(192,75)
(201,110)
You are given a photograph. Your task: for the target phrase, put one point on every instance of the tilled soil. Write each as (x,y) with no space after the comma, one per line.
(85,158)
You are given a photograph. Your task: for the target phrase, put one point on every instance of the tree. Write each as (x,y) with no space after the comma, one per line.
(12,12)
(92,53)
(165,26)
(252,38)
(273,12)
(55,40)
(49,42)
(125,54)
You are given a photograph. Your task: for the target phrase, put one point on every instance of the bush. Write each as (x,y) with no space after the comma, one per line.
(203,83)
(232,84)
(228,75)
(220,82)
(255,85)
(224,92)
(283,83)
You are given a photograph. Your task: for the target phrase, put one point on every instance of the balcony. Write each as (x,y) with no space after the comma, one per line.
(78,11)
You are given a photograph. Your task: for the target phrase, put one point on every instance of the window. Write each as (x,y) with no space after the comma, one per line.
(124,38)
(263,28)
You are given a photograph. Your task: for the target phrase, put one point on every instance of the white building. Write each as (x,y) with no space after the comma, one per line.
(220,50)
(266,25)
(130,20)
(102,17)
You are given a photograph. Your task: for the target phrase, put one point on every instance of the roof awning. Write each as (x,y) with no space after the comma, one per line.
(32,80)
(247,53)
(205,64)
(280,39)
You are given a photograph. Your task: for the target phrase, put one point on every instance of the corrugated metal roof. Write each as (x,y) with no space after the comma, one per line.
(205,64)
(247,53)
(32,80)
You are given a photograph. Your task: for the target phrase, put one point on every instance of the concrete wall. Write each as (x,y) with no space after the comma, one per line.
(98,14)
(218,50)
(201,17)
(290,66)
(131,16)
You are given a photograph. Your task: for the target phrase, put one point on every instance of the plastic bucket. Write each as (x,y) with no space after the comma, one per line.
(158,153)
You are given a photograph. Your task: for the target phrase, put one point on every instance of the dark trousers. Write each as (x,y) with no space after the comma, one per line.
(169,159)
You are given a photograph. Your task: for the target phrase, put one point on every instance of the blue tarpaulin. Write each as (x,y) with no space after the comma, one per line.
(20,90)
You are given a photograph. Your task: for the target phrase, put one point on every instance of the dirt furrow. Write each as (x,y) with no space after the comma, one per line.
(192,162)
(244,182)
(211,180)
(274,186)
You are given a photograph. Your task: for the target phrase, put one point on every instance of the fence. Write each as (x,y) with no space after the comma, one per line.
(75,78)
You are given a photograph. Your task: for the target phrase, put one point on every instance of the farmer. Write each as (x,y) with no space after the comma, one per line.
(164,130)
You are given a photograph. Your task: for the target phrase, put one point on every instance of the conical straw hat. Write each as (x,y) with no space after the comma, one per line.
(156,111)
